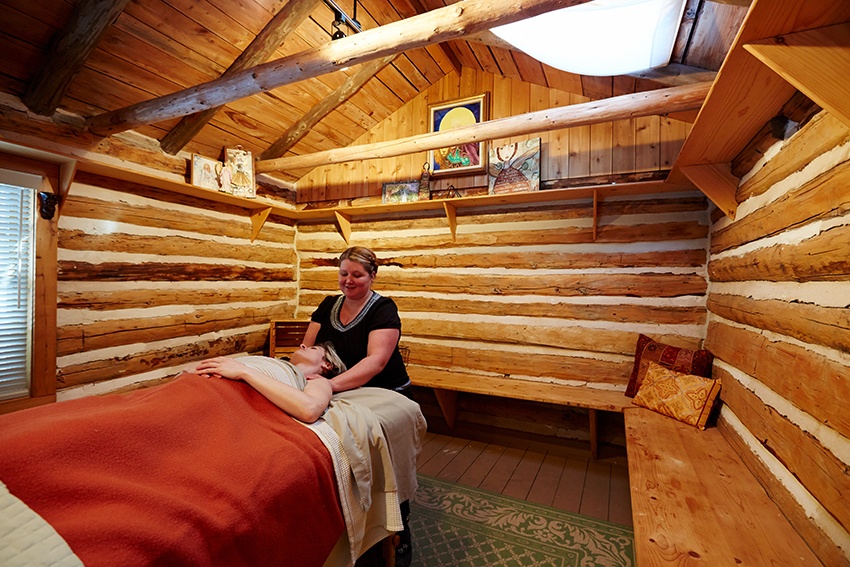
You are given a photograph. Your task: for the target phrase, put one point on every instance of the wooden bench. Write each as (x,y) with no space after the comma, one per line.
(447,384)
(694,502)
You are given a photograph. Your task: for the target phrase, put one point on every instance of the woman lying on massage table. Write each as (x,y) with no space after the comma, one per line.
(196,471)
(283,382)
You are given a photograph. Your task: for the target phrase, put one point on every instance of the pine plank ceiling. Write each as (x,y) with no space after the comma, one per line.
(152,48)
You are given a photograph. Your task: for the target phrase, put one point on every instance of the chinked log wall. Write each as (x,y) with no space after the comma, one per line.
(624,146)
(143,276)
(149,281)
(779,326)
(529,294)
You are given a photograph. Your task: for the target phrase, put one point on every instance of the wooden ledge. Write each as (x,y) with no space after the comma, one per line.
(518,389)
(259,209)
(447,384)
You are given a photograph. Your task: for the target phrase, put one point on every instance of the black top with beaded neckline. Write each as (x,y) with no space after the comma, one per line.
(351,340)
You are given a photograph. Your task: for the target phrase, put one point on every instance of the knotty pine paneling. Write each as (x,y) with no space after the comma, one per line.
(149,281)
(779,298)
(527,292)
(625,146)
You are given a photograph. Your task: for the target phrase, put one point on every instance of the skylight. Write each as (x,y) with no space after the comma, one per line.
(600,38)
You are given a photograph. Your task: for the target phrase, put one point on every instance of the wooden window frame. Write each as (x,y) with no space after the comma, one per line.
(43,370)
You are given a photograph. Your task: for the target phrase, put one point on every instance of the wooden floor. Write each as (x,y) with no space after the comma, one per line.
(556,475)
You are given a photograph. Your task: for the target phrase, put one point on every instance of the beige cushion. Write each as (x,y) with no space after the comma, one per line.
(685,397)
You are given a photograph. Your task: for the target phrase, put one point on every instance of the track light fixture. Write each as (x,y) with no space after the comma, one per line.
(336,25)
(342,19)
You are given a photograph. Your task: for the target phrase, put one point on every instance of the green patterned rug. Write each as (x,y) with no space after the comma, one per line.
(455,525)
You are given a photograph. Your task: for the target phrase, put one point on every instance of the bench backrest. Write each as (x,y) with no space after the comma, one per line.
(285,336)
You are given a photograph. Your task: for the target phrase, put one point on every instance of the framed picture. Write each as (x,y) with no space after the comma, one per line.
(461,158)
(400,192)
(238,173)
(515,167)
(204,172)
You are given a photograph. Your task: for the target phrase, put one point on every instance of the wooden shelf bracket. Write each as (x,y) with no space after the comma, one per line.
(815,61)
(451,216)
(67,171)
(343,225)
(718,183)
(258,219)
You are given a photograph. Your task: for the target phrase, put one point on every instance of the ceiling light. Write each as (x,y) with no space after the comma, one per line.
(600,38)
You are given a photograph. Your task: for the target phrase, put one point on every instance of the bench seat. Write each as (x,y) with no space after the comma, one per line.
(694,501)
(447,384)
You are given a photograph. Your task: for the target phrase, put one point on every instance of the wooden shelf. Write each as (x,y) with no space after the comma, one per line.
(259,209)
(449,207)
(184,188)
(748,93)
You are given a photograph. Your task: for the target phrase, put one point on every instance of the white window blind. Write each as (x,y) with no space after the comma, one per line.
(17,261)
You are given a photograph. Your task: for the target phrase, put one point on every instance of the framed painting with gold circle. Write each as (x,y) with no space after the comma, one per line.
(464,157)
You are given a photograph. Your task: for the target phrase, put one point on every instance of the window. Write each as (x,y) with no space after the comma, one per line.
(17,255)
(28,274)
(601,38)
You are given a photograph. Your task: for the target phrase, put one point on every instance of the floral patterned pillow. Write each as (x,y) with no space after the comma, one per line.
(697,362)
(685,397)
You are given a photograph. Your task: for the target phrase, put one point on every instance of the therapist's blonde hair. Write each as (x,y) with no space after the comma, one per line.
(362,256)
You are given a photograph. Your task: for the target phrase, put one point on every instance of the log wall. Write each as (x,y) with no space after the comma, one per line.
(779,325)
(624,146)
(528,293)
(149,281)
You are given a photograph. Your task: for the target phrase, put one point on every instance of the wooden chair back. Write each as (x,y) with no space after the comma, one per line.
(285,336)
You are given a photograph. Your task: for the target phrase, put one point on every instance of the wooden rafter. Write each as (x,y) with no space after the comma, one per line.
(675,74)
(489,38)
(270,38)
(662,101)
(447,51)
(69,52)
(345,91)
(451,22)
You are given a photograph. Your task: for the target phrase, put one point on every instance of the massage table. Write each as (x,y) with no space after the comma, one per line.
(202,471)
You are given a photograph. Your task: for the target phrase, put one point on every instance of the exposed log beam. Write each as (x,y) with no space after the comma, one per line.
(318,112)
(270,38)
(816,61)
(69,52)
(451,22)
(662,101)
(489,38)
(675,75)
(447,51)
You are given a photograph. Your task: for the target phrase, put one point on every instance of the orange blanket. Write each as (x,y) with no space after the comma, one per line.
(194,472)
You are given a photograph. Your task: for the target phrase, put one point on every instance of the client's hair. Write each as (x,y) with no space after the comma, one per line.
(331,356)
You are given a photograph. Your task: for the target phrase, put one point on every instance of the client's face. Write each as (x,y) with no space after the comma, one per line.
(308,356)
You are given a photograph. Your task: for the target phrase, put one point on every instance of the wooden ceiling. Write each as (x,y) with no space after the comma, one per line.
(131,51)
